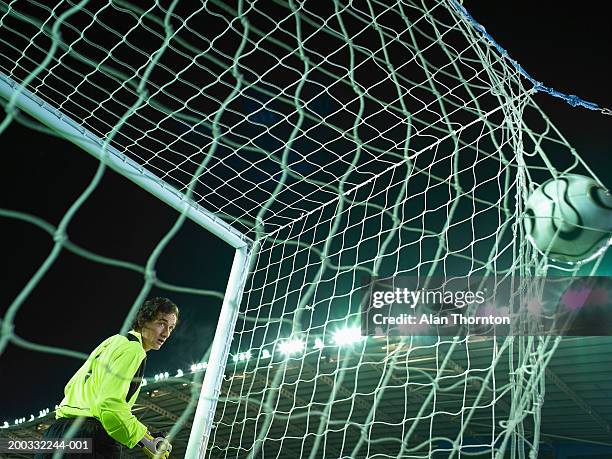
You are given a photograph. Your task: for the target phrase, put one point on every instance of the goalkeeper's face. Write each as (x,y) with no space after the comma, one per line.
(157,331)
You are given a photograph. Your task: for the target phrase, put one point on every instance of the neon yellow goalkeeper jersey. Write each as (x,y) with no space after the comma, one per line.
(106,387)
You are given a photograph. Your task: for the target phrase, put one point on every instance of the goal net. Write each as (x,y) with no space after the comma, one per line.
(347,140)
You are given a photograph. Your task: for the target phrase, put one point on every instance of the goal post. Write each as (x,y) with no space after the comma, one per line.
(219,350)
(120,163)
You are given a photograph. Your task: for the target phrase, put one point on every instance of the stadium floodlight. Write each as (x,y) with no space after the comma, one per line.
(291,346)
(318,344)
(346,336)
(162,376)
(198,366)
(265,354)
(242,356)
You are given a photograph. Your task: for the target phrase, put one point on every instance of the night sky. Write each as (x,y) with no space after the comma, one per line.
(79,303)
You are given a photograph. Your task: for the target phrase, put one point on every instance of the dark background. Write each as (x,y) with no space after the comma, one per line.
(566,47)
(79,303)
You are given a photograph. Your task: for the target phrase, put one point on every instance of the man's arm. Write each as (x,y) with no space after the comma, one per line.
(116,374)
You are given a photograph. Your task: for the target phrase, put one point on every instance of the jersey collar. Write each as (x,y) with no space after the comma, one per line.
(138,335)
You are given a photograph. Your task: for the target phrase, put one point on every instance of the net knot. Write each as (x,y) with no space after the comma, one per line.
(59,237)
(574,100)
(150,275)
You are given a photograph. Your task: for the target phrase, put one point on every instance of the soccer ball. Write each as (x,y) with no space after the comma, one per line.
(569,218)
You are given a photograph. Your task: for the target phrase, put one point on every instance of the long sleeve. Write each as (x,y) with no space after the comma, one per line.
(115,375)
(107,386)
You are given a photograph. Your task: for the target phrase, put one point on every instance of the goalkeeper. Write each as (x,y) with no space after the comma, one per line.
(104,389)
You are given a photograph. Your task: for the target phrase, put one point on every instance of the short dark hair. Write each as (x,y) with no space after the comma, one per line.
(151,308)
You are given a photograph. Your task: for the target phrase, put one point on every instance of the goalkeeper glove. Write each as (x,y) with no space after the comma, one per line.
(155,445)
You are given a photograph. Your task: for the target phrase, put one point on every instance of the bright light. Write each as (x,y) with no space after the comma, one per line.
(242,356)
(265,354)
(349,335)
(160,376)
(291,346)
(179,373)
(199,366)
(318,343)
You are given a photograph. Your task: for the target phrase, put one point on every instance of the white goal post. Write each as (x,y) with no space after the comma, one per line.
(219,351)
